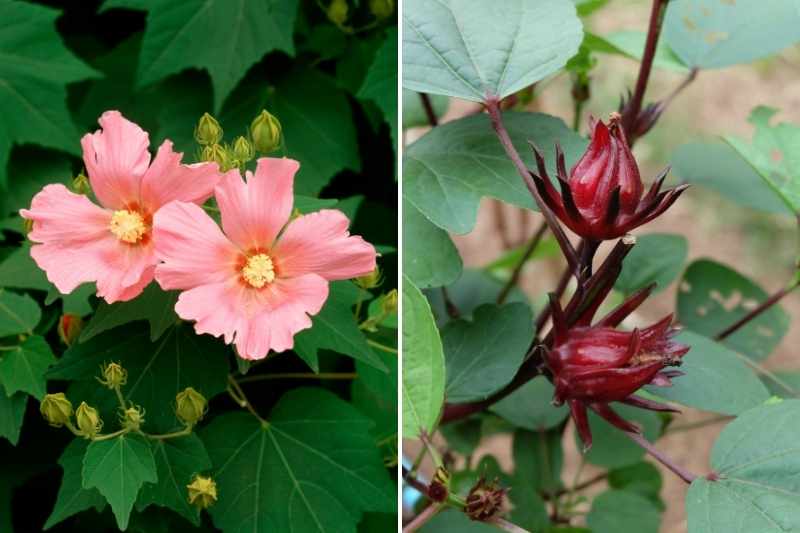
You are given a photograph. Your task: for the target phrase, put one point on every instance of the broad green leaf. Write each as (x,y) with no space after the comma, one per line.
(35,68)
(423,364)
(773,153)
(757,459)
(72,497)
(157,371)
(154,305)
(19,313)
(719,167)
(642,478)
(451,521)
(317,127)
(531,406)
(463,436)
(483,355)
(547,247)
(380,85)
(309,204)
(335,328)
(615,510)
(612,448)
(630,43)
(12,412)
(449,170)
(785,384)
(374,393)
(29,170)
(118,468)
(225,38)
(375,311)
(430,258)
(713,297)
(657,257)
(538,460)
(414,112)
(453,47)
(313,467)
(713,34)
(473,289)
(715,379)
(177,460)
(23,368)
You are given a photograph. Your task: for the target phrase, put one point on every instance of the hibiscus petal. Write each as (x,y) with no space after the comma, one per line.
(167,180)
(257,321)
(253,213)
(193,249)
(320,243)
(116,158)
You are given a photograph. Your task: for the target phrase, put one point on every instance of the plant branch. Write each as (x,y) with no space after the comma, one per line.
(238,395)
(682,473)
(175,434)
(299,375)
(422,518)
(512,281)
(766,304)
(451,308)
(380,346)
(428,107)
(679,89)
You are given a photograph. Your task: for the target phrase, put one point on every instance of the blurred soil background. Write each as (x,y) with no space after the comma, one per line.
(762,247)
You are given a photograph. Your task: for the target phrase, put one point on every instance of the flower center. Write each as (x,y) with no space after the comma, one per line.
(128,226)
(259,270)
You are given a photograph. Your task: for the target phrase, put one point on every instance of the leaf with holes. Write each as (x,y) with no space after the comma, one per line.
(713,297)
(23,367)
(756,459)
(449,170)
(281,476)
(455,47)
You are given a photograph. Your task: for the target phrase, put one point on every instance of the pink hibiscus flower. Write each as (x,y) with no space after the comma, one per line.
(111,244)
(257,283)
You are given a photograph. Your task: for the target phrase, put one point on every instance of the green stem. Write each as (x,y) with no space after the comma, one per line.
(299,375)
(381,346)
(175,434)
(110,436)
(238,395)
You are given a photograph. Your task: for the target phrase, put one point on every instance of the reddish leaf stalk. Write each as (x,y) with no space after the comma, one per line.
(682,473)
(422,518)
(428,107)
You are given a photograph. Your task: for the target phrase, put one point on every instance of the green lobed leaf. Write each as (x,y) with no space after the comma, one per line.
(430,259)
(118,468)
(225,38)
(483,355)
(757,459)
(35,68)
(19,313)
(177,460)
(453,47)
(12,412)
(317,127)
(615,510)
(335,328)
(713,296)
(538,460)
(29,170)
(374,393)
(641,478)
(657,257)
(449,170)
(281,476)
(72,497)
(154,305)
(157,371)
(612,448)
(413,111)
(719,167)
(531,406)
(23,368)
(380,84)
(630,43)
(715,379)
(773,154)
(463,436)
(713,34)
(423,364)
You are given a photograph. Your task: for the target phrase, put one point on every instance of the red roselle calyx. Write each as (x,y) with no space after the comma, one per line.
(594,365)
(603,196)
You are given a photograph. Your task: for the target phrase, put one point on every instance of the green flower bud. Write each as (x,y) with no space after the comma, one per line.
(208,131)
(265,130)
(81,185)
(243,150)
(337,11)
(133,418)
(114,376)
(56,409)
(202,492)
(88,421)
(371,280)
(218,154)
(389,302)
(27,225)
(69,328)
(190,406)
(381,8)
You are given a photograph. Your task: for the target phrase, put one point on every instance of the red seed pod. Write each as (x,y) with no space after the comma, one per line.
(594,365)
(603,196)
(485,500)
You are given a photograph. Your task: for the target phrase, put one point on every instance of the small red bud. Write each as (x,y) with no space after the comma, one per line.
(69,328)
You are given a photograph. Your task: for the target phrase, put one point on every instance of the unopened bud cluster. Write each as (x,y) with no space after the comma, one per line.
(88,421)
(264,136)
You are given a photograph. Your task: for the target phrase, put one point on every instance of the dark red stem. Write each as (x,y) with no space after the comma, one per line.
(763,306)
(512,281)
(428,107)
(682,473)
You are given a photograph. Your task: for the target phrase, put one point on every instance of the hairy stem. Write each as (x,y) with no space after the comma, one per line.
(766,304)
(512,281)
(682,473)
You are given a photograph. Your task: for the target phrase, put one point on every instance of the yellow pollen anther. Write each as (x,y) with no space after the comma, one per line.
(259,270)
(128,226)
